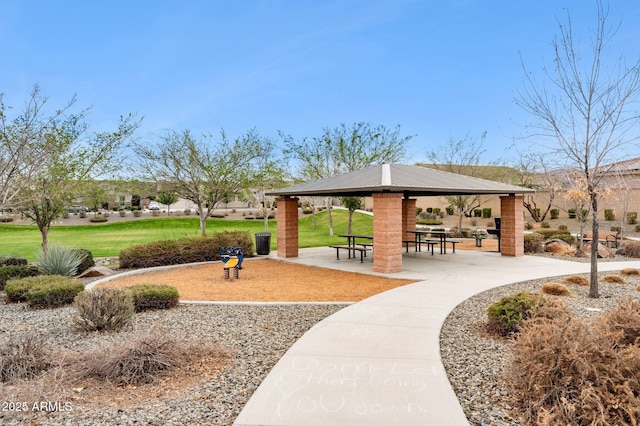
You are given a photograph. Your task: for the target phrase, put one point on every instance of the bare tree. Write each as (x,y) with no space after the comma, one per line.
(462,157)
(586,112)
(203,170)
(532,173)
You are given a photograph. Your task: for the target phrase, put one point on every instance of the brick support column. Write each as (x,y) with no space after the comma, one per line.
(408,219)
(287,217)
(512,225)
(387,232)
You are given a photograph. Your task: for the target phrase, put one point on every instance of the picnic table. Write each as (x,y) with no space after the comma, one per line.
(354,246)
(441,235)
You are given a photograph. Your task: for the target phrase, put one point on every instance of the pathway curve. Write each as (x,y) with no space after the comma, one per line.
(377,362)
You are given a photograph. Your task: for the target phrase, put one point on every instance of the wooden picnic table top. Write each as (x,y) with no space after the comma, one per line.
(369,237)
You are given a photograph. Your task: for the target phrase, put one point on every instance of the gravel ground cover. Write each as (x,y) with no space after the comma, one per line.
(474,360)
(254,337)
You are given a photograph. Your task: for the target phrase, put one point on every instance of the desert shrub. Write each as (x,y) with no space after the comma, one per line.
(136,213)
(450,210)
(52,291)
(184,250)
(567,238)
(616,279)
(571,213)
(187,212)
(533,243)
(59,260)
(436,211)
(576,279)
(86,261)
(98,219)
(141,360)
(637,228)
(156,213)
(507,314)
(486,212)
(16,271)
(625,318)
(16,289)
(545,225)
(12,260)
(547,233)
(555,289)
(153,296)
(630,248)
(609,215)
(102,309)
(630,271)
(555,213)
(307,210)
(122,213)
(477,213)
(6,219)
(589,381)
(22,357)
(616,228)
(528,225)
(632,218)
(562,227)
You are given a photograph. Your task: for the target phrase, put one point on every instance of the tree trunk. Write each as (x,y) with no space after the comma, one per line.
(330,217)
(349,229)
(203,220)
(593,278)
(45,240)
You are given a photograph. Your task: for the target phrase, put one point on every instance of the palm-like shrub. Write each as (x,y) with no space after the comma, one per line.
(59,260)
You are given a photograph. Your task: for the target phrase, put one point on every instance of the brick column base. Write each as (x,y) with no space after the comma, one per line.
(512,225)
(408,219)
(387,232)
(287,217)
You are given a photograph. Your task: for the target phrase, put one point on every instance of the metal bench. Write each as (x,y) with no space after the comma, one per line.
(430,244)
(351,249)
(453,243)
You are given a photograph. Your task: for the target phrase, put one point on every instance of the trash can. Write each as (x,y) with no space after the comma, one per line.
(263,243)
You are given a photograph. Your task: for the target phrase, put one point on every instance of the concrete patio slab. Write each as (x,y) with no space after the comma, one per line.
(377,362)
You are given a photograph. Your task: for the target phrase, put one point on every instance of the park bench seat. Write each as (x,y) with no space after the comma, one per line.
(453,243)
(608,239)
(429,242)
(351,249)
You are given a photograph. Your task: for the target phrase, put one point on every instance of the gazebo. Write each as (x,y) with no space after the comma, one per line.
(393,188)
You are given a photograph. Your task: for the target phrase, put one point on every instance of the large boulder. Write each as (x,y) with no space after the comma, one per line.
(97,271)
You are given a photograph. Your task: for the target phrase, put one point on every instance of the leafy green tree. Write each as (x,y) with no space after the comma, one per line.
(61,155)
(202,170)
(167,198)
(345,149)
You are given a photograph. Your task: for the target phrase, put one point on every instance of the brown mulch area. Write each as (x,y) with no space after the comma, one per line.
(267,280)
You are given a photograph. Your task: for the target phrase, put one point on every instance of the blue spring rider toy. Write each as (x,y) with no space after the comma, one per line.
(231,258)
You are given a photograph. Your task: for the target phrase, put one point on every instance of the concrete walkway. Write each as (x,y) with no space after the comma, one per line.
(377,362)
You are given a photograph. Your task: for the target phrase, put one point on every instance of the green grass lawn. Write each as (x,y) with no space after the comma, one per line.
(105,240)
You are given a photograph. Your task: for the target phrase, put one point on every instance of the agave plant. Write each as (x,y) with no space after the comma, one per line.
(59,260)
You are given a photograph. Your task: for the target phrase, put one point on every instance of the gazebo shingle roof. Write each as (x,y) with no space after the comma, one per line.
(410,180)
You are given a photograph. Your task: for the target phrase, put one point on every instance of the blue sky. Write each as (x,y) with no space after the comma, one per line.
(440,69)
